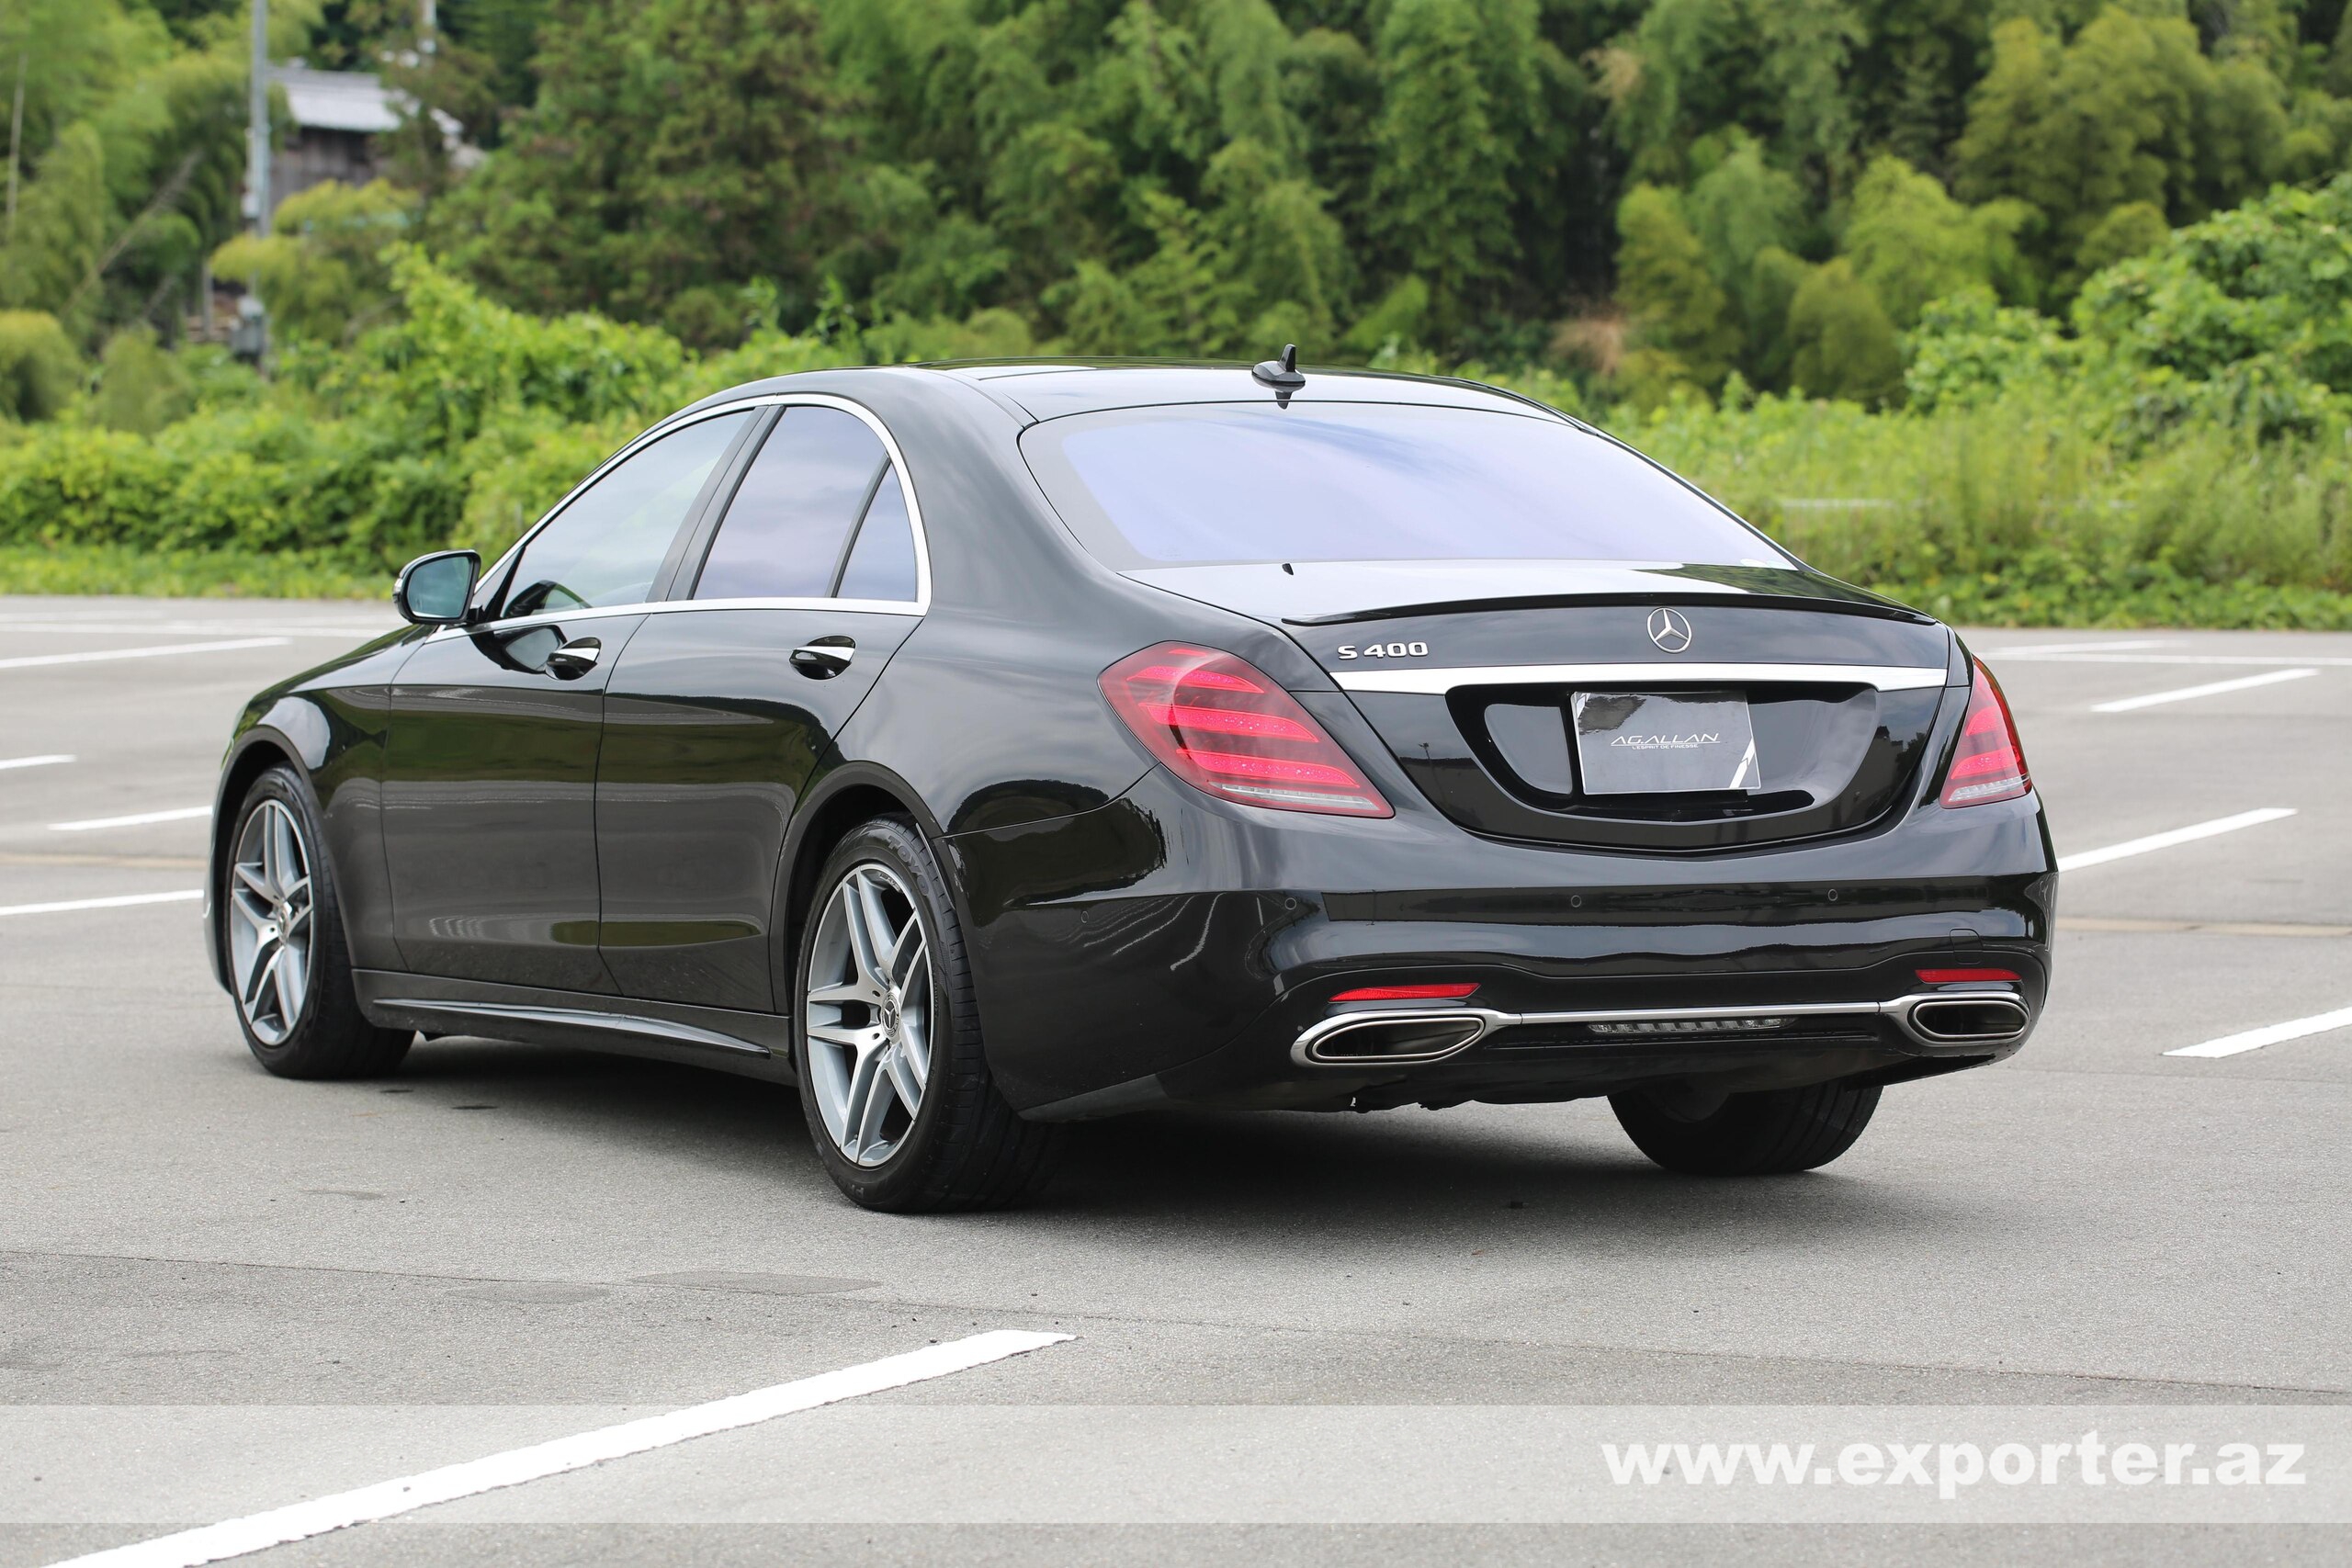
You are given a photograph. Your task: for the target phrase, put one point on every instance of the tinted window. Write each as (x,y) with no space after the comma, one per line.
(784,529)
(1252,483)
(882,562)
(607,547)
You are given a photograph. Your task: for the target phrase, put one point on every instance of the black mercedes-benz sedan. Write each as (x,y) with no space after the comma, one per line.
(984,748)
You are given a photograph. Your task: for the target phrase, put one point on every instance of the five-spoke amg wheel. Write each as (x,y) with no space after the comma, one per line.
(868,1014)
(283,936)
(893,1080)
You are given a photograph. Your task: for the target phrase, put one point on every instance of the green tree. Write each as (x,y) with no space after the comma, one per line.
(1843,345)
(677,149)
(1911,242)
(1441,186)
(1668,290)
(321,271)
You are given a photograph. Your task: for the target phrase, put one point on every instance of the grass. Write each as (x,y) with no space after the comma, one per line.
(180,574)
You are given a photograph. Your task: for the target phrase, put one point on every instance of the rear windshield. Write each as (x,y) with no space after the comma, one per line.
(1222,483)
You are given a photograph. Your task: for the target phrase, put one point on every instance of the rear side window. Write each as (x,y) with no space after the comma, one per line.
(786,531)
(1245,482)
(882,561)
(607,547)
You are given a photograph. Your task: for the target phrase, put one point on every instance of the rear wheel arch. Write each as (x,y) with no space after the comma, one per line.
(847,799)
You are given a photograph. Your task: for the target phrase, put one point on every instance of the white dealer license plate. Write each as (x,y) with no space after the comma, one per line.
(1656,743)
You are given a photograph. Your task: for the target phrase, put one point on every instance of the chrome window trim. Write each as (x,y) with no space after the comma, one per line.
(918,605)
(1426,681)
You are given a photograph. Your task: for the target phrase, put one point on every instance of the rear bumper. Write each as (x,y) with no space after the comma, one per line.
(1200,972)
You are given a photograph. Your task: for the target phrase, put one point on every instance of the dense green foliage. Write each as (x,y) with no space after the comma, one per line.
(2070,274)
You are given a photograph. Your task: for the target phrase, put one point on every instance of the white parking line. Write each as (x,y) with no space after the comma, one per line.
(2254,660)
(2177,836)
(2034,647)
(177,814)
(2270,1035)
(51,759)
(121,901)
(2211,688)
(300,1521)
(204,628)
(101,656)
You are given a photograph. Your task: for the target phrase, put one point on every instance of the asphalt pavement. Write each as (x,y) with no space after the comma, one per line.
(1290,1338)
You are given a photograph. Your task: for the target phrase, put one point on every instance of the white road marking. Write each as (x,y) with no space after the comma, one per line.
(2177,836)
(177,814)
(53,757)
(100,656)
(2211,688)
(121,901)
(2032,647)
(300,1521)
(2253,660)
(2270,1035)
(207,628)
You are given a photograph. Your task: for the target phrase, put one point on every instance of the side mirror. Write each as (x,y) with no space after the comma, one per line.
(434,589)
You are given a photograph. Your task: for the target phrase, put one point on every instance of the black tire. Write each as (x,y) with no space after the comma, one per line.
(327,1037)
(1770,1134)
(964,1148)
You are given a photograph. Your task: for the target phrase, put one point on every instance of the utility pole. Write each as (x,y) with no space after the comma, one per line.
(257,124)
(16,133)
(249,339)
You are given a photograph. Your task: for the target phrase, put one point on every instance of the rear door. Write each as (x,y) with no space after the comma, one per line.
(491,765)
(787,608)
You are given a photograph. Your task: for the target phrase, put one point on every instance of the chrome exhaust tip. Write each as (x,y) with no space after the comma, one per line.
(1391,1039)
(1968,1020)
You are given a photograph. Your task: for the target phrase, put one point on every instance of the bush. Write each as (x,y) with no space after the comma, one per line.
(39,368)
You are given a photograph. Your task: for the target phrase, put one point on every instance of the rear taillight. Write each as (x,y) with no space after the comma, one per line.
(1222,726)
(1988,764)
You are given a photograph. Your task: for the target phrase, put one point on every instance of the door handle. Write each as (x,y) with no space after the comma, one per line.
(825,657)
(575,659)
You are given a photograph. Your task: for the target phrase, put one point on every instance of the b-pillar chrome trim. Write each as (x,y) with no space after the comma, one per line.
(1307,1051)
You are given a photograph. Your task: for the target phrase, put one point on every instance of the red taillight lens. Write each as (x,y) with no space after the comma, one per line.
(1406,994)
(1965,976)
(1988,764)
(1222,727)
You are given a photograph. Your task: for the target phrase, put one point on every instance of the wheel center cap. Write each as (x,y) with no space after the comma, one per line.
(890,1016)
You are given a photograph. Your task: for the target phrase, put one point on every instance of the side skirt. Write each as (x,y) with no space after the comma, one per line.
(753,1044)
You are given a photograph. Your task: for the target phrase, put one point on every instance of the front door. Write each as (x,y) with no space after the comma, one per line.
(719,713)
(491,765)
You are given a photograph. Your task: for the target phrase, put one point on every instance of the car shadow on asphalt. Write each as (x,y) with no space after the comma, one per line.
(1233,1173)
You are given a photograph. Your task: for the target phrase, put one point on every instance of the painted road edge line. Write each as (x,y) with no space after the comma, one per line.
(120,901)
(42,761)
(2211,688)
(2270,1035)
(2177,836)
(300,1521)
(100,656)
(177,814)
(2070,648)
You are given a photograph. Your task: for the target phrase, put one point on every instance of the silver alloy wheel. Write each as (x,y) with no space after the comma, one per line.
(867,1014)
(270,921)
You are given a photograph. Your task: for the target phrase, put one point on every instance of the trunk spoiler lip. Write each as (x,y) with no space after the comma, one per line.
(1870,607)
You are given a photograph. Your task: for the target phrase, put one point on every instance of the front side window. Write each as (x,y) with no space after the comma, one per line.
(607,545)
(1255,483)
(787,530)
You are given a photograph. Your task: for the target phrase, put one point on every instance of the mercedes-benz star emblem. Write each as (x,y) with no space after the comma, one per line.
(1670,630)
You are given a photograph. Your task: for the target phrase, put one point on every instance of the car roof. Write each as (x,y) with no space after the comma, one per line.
(1049,388)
